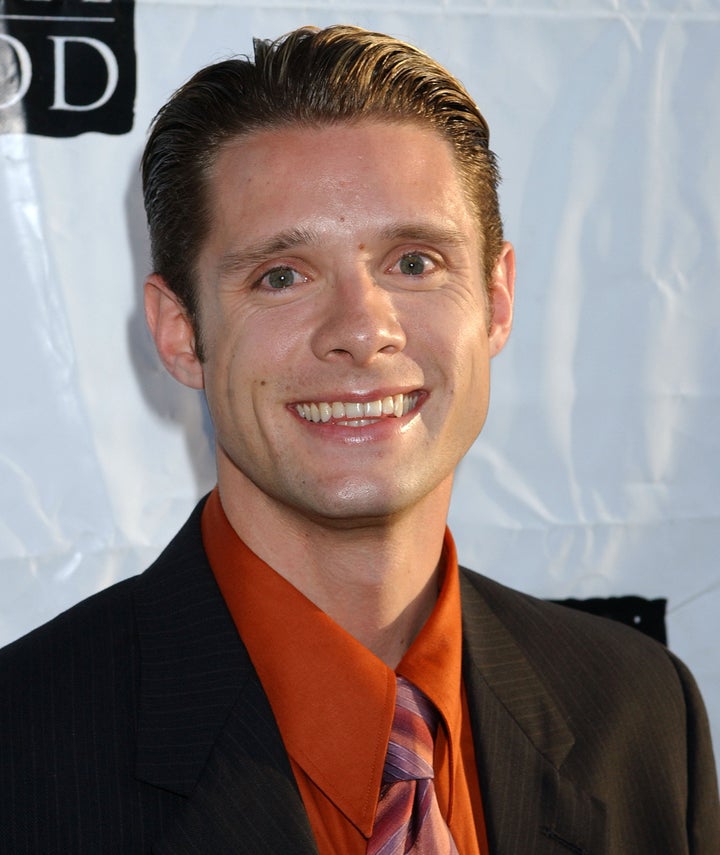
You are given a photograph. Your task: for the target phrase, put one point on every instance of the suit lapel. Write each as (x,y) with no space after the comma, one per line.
(246,801)
(205,727)
(521,741)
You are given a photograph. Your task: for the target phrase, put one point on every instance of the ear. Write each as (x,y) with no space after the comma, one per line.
(502,295)
(173,332)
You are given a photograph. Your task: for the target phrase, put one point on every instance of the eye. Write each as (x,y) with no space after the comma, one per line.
(415,264)
(280,278)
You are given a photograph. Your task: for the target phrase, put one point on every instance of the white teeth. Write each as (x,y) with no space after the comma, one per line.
(358,414)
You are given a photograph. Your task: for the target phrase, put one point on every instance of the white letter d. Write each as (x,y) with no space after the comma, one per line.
(110,63)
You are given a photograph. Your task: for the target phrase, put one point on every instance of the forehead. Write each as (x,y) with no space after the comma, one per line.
(374,132)
(346,176)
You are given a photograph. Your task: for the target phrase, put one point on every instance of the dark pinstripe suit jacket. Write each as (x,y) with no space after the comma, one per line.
(135,723)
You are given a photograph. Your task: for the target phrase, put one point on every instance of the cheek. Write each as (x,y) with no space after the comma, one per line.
(470,374)
(226,385)
(456,340)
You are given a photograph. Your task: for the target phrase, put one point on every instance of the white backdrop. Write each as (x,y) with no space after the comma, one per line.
(598,472)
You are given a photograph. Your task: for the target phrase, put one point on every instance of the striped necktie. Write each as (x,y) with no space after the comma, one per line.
(408,818)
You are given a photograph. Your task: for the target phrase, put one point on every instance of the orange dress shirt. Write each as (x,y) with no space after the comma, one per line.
(333,699)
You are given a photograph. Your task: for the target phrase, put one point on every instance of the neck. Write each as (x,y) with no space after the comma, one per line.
(378,579)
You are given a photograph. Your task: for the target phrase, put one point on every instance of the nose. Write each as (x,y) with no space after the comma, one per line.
(359,321)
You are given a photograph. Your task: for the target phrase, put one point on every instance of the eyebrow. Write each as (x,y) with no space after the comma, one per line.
(424,233)
(237,260)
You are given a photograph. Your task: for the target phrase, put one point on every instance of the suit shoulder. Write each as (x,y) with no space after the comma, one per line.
(569,647)
(639,725)
(95,616)
(103,623)
(85,658)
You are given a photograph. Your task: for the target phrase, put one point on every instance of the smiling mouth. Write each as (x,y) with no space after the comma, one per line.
(358,414)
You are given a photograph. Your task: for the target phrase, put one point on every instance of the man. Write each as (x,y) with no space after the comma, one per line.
(330,268)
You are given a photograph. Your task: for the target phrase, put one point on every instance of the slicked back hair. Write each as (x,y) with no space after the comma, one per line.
(310,77)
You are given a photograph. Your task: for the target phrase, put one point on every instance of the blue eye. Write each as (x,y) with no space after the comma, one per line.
(413,264)
(280,277)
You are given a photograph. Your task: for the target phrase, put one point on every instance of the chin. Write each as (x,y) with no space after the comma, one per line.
(358,503)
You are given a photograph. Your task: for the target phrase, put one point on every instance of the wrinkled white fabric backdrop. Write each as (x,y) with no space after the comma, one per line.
(598,471)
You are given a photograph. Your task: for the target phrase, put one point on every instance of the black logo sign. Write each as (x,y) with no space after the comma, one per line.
(66,66)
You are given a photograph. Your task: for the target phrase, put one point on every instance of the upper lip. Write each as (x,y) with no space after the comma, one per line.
(358,397)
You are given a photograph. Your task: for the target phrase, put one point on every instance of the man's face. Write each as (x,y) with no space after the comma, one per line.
(343,315)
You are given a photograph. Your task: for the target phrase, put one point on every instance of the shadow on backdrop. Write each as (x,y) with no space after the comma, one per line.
(169,400)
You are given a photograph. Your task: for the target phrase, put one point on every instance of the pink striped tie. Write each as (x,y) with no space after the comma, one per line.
(408,818)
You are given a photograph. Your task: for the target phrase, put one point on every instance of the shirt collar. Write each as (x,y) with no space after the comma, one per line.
(332,698)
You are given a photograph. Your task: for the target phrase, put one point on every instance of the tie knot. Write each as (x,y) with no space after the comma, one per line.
(410,750)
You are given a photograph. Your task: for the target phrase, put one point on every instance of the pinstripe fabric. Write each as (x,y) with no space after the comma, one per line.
(408,818)
(135,724)
(593,735)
